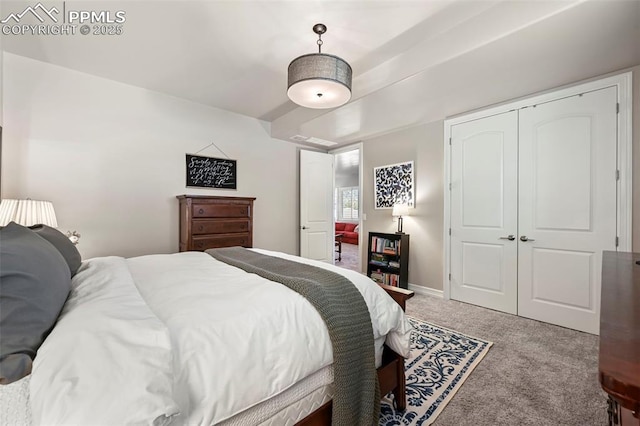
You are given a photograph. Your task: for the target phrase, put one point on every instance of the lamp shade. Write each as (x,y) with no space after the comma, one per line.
(27,212)
(318,80)
(400,210)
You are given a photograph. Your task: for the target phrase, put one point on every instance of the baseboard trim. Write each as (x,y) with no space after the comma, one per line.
(428,291)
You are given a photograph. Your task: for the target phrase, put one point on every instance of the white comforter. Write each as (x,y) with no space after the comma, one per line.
(221,341)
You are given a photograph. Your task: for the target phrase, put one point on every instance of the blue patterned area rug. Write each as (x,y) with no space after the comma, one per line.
(440,362)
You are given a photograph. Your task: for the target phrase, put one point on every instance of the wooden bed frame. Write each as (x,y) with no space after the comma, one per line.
(390,374)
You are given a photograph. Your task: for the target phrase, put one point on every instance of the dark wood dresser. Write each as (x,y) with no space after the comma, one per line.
(211,222)
(619,358)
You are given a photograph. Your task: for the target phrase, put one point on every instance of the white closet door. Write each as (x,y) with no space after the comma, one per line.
(567,207)
(484,156)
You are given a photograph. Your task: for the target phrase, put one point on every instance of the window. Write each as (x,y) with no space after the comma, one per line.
(347,203)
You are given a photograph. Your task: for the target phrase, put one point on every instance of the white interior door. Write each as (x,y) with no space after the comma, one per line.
(484,155)
(316,206)
(567,209)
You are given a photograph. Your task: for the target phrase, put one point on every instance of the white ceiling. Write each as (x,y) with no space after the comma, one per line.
(413,61)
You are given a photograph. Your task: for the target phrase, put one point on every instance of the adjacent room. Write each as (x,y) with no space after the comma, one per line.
(348,212)
(347,209)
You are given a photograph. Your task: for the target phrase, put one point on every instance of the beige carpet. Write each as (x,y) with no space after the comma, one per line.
(535,373)
(349,257)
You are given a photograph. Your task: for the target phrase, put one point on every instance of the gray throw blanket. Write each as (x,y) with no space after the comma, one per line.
(356,399)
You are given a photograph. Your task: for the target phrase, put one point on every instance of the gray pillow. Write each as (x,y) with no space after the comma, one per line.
(34,284)
(60,241)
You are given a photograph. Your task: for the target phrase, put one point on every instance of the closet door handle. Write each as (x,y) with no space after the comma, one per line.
(525,239)
(510,238)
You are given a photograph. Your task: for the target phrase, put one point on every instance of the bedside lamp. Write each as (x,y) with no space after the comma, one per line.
(31,212)
(400,210)
(27,213)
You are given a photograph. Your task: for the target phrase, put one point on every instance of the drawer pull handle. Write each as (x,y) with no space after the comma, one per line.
(201,211)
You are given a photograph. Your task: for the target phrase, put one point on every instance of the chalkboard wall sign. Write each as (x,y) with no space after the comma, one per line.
(209,172)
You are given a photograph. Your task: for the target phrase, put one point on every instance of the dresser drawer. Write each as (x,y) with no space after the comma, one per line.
(211,222)
(220,210)
(213,226)
(203,242)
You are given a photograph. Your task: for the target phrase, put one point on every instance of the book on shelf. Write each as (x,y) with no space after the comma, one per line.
(377,277)
(385,246)
(378,259)
(394,264)
(384,278)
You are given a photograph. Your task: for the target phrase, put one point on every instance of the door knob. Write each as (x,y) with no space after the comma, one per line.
(510,238)
(524,238)
(303,227)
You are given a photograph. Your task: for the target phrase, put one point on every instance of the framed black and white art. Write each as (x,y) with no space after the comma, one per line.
(393,184)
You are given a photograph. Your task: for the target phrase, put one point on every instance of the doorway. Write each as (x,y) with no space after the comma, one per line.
(347,211)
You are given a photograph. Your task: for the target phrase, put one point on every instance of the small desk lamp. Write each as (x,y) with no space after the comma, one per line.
(400,210)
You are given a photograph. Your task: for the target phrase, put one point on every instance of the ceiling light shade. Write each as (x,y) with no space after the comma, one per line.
(318,80)
(27,213)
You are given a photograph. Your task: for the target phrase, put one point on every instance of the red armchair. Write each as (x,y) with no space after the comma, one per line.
(348,231)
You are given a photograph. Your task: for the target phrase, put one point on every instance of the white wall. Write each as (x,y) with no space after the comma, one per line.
(1,60)
(422,145)
(345,180)
(111,157)
(346,176)
(1,79)
(1,102)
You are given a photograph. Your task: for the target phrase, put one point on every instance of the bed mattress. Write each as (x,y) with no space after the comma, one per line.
(14,403)
(290,406)
(285,409)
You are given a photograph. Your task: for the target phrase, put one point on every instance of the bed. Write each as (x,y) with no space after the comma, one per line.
(187,339)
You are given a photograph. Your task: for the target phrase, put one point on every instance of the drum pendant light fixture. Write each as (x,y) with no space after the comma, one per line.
(318,80)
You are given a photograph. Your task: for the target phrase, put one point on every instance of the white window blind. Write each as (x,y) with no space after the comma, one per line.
(348,203)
